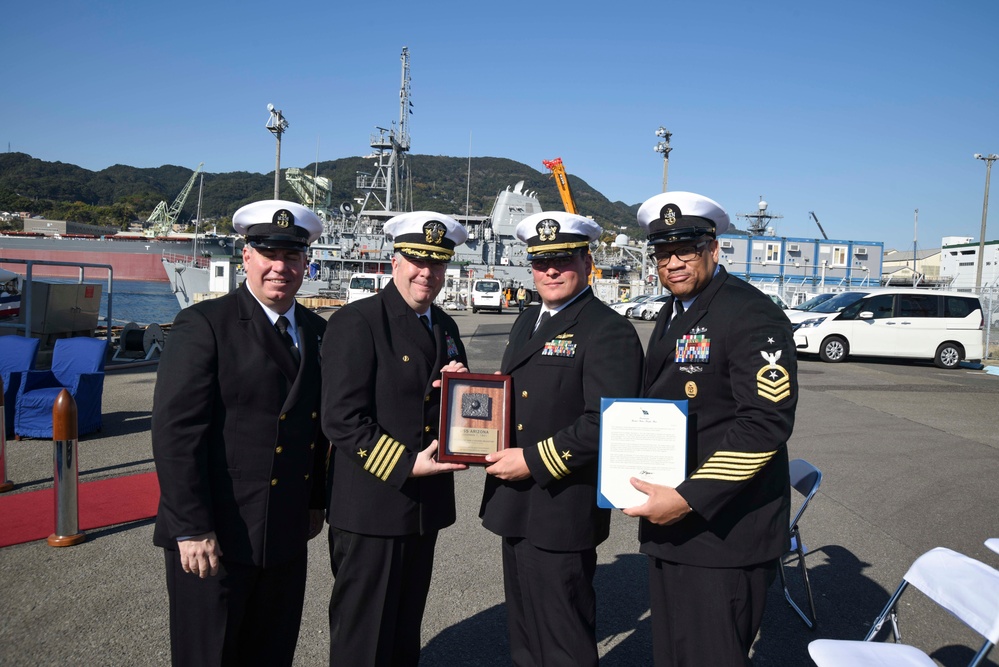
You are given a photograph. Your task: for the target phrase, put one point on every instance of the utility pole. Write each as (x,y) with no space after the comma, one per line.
(277,125)
(989,159)
(664,148)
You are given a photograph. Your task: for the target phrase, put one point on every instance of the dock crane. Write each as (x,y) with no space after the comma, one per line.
(163,217)
(562,181)
(811,213)
(316,192)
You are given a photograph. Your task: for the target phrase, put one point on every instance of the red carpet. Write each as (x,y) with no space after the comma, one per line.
(29,516)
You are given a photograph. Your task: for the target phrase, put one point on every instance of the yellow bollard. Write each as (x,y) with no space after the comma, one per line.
(65,430)
(5,484)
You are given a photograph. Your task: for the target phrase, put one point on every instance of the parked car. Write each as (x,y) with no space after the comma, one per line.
(624,307)
(946,327)
(487,295)
(824,310)
(810,304)
(648,309)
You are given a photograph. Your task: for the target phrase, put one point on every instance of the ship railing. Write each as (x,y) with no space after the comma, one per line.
(186,260)
(24,326)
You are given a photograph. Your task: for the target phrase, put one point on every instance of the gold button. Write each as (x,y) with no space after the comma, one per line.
(306,476)
(405,357)
(426,399)
(426,429)
(524,394)
(274,482)
(279,449)
(312,445)
(315,414)
(520,427)
(283,416)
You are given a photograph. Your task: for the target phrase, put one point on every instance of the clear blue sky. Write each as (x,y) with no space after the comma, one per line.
(860,111)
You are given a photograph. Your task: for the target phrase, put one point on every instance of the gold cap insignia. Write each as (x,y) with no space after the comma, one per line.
(670,214)
(434,231)
(547,229)
(283,218)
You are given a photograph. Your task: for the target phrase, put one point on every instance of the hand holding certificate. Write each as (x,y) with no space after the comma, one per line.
(641,438)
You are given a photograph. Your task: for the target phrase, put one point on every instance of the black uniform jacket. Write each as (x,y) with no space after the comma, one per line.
(739,373)
(380,410)
(235,431)
(584,352)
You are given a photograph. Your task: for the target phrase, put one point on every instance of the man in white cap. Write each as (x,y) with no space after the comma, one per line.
(239,452)
(540,494)
(723,346)
(382,362)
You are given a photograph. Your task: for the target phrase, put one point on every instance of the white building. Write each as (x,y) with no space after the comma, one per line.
(959,262)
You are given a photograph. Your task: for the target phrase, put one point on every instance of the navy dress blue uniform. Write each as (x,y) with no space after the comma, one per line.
(731,354)
(550,522)
(380,410)
(239,452)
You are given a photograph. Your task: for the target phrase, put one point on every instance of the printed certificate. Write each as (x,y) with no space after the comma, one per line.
(643,438)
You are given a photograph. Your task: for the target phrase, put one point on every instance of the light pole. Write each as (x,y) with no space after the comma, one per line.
(664,148)
(277,125)
(989,159)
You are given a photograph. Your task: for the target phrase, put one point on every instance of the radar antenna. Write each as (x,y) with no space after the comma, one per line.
(759,221)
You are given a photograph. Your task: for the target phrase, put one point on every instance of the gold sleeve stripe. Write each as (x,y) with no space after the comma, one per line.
(551,459)
(384,457)
(733,466)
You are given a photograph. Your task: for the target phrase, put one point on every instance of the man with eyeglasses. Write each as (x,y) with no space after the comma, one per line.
(723,346)
(389,497)
(540,495)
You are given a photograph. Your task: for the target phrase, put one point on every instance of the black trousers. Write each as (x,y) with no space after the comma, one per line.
(244,615)
(550,604)
(706,616)
(379,594)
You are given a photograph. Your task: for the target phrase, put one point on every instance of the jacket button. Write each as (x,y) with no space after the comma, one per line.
(315,414)
(405,357)
(274,482)
(283,417)
(306,477)
(520,427)
(426,399)
(312,445)
(279,449)
(524,394)
(426,429)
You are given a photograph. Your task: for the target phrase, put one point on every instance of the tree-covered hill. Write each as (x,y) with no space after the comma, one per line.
(121,194)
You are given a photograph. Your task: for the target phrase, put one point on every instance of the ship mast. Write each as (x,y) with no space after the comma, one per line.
(390,148)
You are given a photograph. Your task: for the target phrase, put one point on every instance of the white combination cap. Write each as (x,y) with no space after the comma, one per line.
(425,235)
(671,217)
(556,233)
(276,223)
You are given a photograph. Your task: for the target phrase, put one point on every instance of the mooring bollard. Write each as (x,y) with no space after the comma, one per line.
(5,484)
(66,478)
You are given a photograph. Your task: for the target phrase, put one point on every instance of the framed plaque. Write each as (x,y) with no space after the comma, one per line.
(475,417)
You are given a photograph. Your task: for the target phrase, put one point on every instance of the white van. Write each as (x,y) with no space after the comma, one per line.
(487,294)
(943,326)
(363,285)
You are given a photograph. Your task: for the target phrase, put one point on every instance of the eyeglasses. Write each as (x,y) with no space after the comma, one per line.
(543,264)
(684,253)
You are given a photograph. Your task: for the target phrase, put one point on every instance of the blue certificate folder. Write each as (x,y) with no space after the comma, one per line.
(674,440)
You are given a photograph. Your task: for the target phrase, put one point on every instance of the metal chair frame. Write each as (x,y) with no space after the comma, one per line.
(805,479)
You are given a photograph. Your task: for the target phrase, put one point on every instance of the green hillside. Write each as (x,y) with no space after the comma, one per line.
(120,194)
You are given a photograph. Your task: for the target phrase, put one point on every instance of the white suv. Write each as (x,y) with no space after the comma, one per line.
(943,326)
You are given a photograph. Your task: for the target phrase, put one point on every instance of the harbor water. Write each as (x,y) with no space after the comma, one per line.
(142,302)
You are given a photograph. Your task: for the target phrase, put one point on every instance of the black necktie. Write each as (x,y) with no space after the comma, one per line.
(425,321)
(545,316)
(679,308)
(282,326)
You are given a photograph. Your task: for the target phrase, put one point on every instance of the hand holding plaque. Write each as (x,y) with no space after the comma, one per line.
(475,417)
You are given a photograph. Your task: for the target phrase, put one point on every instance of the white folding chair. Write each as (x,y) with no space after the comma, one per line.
(965,587)
(805,479)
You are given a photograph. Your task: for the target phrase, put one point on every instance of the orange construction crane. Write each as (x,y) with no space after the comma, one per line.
(558,171)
